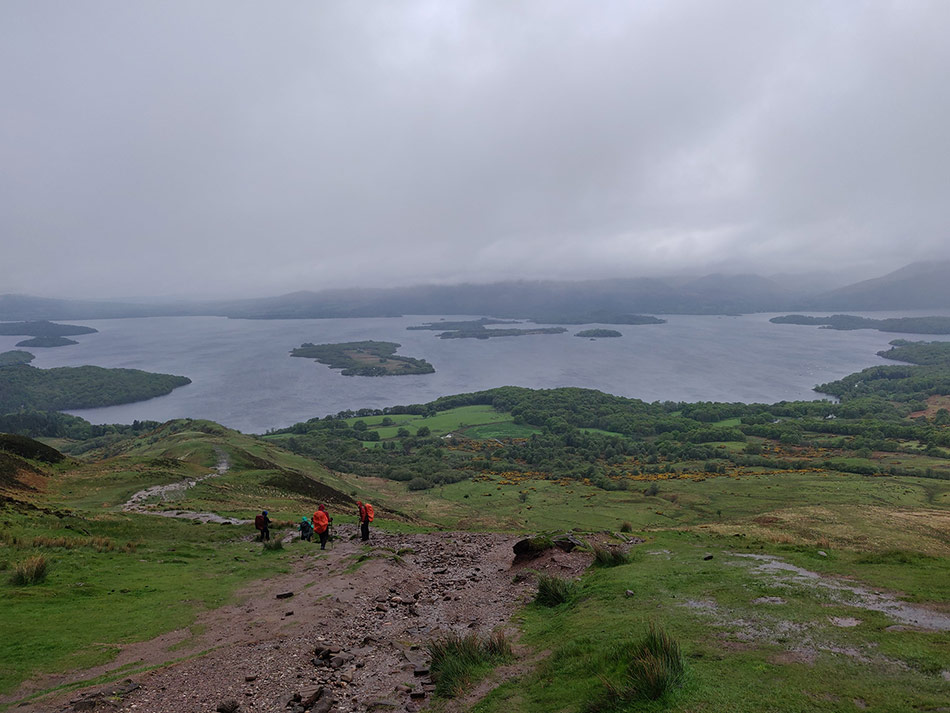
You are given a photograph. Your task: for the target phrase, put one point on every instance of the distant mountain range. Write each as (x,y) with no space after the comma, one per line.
(923,285)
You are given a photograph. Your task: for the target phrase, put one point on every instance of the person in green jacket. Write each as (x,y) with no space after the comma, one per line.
(306,530)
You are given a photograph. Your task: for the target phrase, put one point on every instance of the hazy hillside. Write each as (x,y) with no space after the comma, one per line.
(921,285)
(917,286)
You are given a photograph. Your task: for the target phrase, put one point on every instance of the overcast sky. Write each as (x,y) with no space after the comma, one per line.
(252,148)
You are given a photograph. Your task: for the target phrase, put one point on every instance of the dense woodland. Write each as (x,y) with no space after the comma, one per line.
(25,387)
(606,440)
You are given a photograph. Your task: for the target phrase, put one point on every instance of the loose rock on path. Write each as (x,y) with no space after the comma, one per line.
(350,638)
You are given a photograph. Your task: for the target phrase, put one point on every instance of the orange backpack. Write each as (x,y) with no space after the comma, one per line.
(320,522)
(369,512)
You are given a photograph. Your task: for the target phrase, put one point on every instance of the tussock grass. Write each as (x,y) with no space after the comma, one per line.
(626,526)
(98,543)
(553,591)
(654,667)
(32,570)
(455,660)
(273,546)
(605,556)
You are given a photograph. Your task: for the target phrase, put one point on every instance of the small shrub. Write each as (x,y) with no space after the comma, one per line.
(609,556)
(273,545)
(626,526)
(456,660)
(554,590)
(32,570)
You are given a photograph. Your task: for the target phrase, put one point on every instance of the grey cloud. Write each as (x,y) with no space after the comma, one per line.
(241,148)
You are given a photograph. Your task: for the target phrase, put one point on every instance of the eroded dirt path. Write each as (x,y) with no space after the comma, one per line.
(369,621)
(141,501)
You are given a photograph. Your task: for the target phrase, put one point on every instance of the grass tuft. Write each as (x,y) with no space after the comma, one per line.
(273,546)
(553,591)
(626,526)
(32,570)
(654,668)
(610,556)
(455,660)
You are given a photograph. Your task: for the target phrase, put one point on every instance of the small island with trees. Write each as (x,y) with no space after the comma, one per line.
(476,329)
(44,342)
(598,333)
(368,358)
(482,333)
(462,325)
(907,325)
(599,317)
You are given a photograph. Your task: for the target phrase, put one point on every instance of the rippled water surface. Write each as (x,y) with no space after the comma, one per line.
(243,377)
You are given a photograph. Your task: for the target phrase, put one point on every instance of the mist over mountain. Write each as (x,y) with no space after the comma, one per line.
(916,286)
(921,285)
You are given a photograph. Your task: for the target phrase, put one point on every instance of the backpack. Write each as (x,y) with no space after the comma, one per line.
(369,512)
(320,522)
(259,522)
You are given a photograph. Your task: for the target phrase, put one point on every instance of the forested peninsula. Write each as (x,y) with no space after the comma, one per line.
(367,358)
(76,387)
(43,328)
(908,325)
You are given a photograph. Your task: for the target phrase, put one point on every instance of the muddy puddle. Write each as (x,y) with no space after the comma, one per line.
(850,594)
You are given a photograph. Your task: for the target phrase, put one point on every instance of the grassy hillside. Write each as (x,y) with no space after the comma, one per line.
(134,564)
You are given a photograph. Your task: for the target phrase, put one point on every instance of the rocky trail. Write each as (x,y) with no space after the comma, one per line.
(344,631)
(141,501)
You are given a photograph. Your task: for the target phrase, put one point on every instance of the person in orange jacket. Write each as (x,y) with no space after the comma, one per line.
(365,518)
(321,525)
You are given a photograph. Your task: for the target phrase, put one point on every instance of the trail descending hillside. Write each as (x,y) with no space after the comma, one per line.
(352,620)
(139,502)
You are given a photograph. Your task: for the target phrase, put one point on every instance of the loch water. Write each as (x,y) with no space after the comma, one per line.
(243,377)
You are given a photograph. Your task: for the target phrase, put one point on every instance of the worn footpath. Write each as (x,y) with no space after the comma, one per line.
(344,631)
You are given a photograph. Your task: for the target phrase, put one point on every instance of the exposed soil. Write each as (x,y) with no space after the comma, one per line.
(351,620)
(853,595)
(148,500)
(803,641)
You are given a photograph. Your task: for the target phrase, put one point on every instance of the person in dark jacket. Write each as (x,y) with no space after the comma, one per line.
(306,530)
(262,523)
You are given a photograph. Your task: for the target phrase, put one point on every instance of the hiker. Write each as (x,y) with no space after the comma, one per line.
(366,517)
(321,525)
(262,523)
(306,530)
